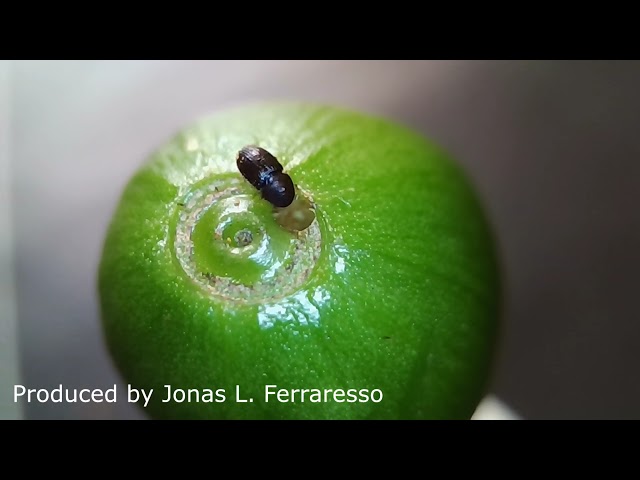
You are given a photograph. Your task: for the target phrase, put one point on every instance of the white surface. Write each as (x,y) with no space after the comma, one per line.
(8,337)
(492,408)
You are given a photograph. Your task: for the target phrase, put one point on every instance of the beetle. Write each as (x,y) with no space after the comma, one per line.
(265,173)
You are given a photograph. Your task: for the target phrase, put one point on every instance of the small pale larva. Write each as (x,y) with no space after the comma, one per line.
(297,216)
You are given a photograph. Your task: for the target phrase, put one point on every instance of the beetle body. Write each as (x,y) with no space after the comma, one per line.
(262,170)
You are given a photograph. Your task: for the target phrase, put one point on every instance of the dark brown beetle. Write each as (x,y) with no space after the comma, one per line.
(264,172)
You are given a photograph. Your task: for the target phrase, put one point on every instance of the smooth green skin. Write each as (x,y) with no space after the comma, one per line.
(404,298)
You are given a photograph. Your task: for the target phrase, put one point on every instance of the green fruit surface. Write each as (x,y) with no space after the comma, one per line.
(402,297)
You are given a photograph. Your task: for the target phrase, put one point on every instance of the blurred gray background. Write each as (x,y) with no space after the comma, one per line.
(553,148)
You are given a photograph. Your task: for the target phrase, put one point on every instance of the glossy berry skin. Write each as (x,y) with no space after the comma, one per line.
(394,285)
(263,171)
